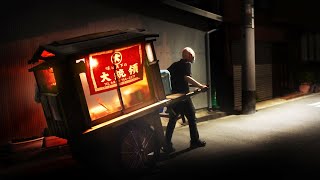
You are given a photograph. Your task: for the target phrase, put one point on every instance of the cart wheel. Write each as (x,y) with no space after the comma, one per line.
(139,145)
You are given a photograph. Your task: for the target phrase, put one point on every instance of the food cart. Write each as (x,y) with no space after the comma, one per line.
(102,92)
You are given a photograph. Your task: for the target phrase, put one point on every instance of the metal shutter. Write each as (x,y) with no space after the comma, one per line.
(263,71)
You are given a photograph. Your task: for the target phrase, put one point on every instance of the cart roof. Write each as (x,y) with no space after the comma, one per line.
(82,45)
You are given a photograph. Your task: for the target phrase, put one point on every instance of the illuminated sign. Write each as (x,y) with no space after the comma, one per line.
(108,69)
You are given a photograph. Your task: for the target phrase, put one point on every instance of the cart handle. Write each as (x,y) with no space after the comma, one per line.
(180,96)
(197,90)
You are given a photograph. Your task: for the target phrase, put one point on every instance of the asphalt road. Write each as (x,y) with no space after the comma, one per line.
(278,142)
(281,141)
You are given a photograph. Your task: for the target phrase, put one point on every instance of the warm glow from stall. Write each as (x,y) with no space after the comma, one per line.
(136,93)
(102,104)
(127,92)
(111,69)
(80,60)
(46,54)
(51,78)
(46,80)
(93,62)
(103,108)
(97,111)
(149,52)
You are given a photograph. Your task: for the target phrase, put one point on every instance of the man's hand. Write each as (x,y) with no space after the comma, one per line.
(204,89)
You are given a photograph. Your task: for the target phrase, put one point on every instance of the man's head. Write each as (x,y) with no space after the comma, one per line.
(188,54)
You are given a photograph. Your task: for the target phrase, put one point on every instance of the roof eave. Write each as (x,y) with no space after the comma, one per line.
(194,10)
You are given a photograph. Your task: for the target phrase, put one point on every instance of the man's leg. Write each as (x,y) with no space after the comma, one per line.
(173,117)
(189,112)
(191,116)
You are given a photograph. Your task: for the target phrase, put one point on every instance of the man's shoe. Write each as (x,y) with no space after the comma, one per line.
(198,143)
(168,149)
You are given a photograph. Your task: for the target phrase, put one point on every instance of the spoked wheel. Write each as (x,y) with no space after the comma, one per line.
(139,147)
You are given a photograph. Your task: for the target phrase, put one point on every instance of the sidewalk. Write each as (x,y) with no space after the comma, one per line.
(204,114)
(201,114)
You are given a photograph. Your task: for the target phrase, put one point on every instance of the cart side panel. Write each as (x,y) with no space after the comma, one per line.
(57,127)
(157,81)
(50,100)
(70,101)
(97,149)
(103,148)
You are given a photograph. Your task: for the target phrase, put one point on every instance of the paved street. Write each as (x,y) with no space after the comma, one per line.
(280,141)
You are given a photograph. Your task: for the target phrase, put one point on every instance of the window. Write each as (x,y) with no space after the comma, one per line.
(102,104)
(46,84)
(115,82)
(46,80)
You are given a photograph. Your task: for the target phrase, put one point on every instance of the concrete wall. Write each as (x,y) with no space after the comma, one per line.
(173,38)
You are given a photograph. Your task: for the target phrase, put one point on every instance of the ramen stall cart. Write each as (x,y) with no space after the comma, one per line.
(102,92)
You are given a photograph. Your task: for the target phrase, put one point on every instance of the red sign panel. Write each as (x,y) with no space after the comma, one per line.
(105,70)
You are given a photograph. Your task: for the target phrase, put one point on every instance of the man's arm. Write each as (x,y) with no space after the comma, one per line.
(194,82)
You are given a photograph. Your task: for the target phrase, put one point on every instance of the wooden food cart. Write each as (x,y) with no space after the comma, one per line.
(103,92)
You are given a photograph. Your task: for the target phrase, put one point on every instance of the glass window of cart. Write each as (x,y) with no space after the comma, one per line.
(115,81)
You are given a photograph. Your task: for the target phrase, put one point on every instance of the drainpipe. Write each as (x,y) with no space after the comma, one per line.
(208,64)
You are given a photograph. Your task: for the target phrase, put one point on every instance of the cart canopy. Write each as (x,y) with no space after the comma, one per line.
(82,45)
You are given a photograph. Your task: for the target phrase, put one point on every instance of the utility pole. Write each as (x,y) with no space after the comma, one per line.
(248,63)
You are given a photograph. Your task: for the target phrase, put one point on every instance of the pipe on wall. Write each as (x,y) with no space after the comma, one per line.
(208,65)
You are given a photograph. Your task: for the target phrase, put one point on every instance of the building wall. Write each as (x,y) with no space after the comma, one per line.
(35,24)
(173,38)
(263,76)
(266,34)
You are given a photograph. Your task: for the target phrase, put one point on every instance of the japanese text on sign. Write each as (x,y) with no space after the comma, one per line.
(105,70)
